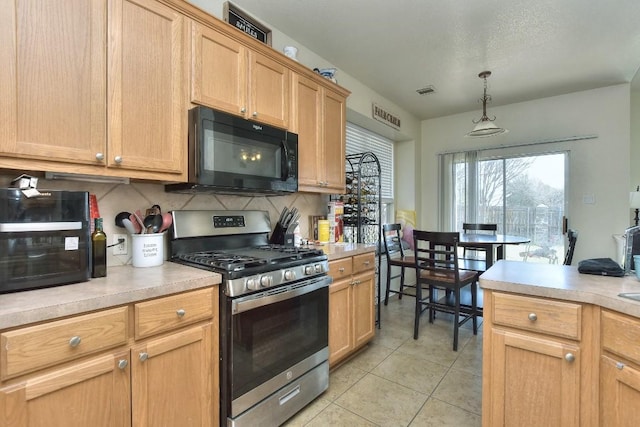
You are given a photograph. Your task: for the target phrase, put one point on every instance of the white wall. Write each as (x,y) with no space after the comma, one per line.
(359,108)
(598,166)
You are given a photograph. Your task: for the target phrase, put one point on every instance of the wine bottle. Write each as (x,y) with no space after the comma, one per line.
(98,250)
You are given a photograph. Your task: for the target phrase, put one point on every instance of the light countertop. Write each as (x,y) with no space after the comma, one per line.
(342,250)
(564,283)
(123,285)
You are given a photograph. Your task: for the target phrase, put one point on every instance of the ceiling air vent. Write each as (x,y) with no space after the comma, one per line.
(426,90)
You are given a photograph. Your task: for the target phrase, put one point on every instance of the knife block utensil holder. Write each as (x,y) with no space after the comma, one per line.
(281,237)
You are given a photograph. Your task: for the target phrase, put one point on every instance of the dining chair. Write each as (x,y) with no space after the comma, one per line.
(572,235)
(477,228)
(436,264)
(396,258)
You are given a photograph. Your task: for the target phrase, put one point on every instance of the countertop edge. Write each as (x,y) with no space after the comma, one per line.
(562,283)
(123,285)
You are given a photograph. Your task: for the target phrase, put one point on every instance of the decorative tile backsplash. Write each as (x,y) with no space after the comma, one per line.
(115,198)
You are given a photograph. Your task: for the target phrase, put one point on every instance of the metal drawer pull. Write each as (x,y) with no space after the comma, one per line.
(122,363)
(117,159)
(341,269)
(367,262)
(181,312)
(533,317)
(99,156)
(619,365)
(569,357)
(143,356)
(75,341)
(290,395)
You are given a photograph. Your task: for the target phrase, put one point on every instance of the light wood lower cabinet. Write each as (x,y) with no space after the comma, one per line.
(168,378)
(351,305)
(538,362)
(619,369)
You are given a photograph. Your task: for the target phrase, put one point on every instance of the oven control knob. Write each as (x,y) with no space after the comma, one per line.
(318,268)
(289,275)
(266,281)
(253,284)
(309,270)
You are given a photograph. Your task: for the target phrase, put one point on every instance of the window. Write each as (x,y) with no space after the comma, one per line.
(523,193)
(360,140)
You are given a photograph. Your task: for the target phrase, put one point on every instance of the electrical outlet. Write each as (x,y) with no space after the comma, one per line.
(122,248)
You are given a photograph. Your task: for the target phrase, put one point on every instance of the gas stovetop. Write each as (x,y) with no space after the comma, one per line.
(263,258)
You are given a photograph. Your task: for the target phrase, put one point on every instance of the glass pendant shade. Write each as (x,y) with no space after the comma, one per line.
(485,126)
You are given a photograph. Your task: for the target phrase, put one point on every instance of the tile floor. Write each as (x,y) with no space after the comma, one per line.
(399,381)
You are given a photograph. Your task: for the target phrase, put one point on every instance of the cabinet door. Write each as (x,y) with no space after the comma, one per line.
(535,381)
(172,380)
(307,123)
(340,320)
(218,70)
(619,393)
(147,105)
(363,308)
(334,141)
(52,79)
(269,89)
(91,393)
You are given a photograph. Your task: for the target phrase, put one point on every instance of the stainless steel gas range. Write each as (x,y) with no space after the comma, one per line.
(273,313)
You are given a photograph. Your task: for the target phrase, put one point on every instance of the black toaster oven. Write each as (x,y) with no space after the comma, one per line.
(44,240)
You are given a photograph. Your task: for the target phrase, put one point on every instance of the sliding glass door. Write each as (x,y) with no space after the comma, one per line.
(524,195)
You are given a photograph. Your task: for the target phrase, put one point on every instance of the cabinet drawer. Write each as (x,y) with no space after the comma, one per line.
(562,319)
(165,314)
(620,334)
(364,262)
(35,347)
(341,268)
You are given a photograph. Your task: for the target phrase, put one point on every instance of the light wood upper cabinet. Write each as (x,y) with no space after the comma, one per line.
(52,79)
(228,76)
(319,119)
(147,108)
(93,87)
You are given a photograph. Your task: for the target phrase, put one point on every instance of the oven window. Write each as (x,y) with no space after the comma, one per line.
(34,259)
(237,151)
(271,339)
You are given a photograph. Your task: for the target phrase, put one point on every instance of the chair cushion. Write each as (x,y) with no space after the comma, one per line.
(447,277)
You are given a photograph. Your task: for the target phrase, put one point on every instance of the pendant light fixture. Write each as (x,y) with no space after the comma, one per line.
(485,126)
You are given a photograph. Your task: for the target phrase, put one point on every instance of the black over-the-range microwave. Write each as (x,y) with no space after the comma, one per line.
(229,154)
(44,239)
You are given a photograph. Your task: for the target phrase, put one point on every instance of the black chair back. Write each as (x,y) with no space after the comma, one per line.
(572,235)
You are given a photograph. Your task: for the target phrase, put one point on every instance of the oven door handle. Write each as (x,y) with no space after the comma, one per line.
(250,302)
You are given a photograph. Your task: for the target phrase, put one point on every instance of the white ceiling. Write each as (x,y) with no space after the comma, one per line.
(534,48)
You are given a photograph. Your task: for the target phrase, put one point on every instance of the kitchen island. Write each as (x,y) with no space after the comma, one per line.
(559,347)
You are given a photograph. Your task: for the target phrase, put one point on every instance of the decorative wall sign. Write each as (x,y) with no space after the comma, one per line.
(246,23)
(385,117)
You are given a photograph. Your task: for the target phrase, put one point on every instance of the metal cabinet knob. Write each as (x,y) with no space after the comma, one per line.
(341,269)
(100,156)
(620,365)
(117,159)
(367,263)
(181,312)
(143,356)
(569,357)
(255,114)
(75,341)
(243,110)
(533,317)
(122,363)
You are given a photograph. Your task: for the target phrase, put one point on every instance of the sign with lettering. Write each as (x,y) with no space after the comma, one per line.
(245,23)
(385,117)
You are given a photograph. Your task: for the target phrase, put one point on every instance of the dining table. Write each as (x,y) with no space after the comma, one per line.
(493,244)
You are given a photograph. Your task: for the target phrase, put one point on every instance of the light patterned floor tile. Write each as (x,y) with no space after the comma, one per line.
(382,402)
(436,413)
(412,372)
(461,389)
(336,416)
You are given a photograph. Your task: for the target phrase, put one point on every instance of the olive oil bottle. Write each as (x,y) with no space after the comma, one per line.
(98,250)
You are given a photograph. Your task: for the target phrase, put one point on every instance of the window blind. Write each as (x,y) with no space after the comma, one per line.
(360,140)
